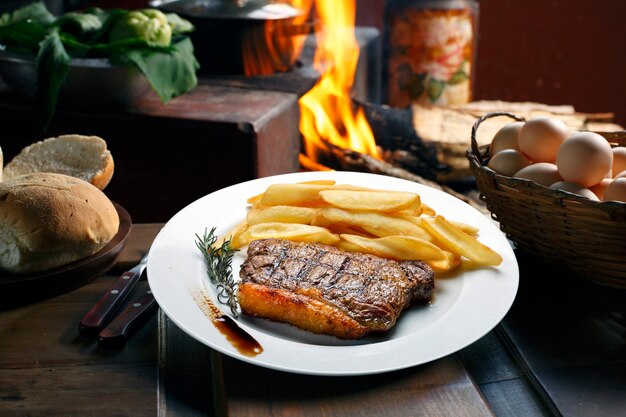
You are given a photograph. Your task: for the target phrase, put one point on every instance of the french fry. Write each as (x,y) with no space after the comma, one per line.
(467,228)
(255,200)
(348,246)
(294,195)
(404,248)
(337,227)
(290,231)
(281,214)
(456,240)
(383,201)
(453,262)
(231,234)
(377,224)
(319,182)
(427,210)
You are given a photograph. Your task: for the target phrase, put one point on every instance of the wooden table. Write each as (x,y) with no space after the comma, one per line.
(48,369)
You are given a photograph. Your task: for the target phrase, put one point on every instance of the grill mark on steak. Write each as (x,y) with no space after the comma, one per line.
(336,286)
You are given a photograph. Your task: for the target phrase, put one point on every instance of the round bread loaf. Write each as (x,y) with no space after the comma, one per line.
(84,157)
(48,220)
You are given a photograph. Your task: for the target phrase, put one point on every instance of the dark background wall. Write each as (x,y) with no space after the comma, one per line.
(549,51)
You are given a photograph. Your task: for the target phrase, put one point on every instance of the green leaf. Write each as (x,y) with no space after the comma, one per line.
(178,24)
(79,23)
(23,34)
(25,27)
(53,65)
(458,77)
(435,88)
(35,12)
(170,73)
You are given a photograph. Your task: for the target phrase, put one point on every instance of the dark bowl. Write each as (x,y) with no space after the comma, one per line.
(91,82)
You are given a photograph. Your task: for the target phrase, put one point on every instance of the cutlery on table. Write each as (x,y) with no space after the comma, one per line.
(129,320)
(99,316)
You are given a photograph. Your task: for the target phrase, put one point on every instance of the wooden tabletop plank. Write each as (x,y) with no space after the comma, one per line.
(568,333)
(500,379)
(48,369)
(439,388)
(79,390)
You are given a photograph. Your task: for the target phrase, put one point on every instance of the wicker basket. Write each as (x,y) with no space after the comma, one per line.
(587,238)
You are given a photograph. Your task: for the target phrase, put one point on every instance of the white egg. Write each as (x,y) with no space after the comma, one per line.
(584,158)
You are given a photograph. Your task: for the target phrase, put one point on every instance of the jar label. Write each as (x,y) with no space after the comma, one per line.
(430,59)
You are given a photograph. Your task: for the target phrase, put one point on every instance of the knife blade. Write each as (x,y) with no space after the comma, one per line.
(129,320)
(102,312)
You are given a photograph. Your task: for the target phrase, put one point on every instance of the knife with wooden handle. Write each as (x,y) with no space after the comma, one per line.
(129,320)
(102,312)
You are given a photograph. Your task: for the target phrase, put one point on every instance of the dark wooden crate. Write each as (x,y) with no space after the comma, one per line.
(167,156)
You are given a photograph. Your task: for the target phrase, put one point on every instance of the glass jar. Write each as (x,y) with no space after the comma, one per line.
(429,51)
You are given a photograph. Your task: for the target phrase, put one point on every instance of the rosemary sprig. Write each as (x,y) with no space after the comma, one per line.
(219,268)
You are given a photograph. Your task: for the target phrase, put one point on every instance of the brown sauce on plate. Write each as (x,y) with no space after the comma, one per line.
(238,338)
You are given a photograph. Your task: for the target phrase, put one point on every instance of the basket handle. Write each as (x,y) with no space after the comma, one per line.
(482,119)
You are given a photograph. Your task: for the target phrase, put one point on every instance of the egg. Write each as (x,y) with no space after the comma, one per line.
(574,188)
(584,158)
(540,138)
(506,138)
(619,160)
(620,175)
(600,187)
(508,162)
(543,173)
(616,191)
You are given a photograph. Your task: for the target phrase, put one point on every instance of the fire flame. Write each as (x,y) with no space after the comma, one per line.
(327,110)
(275,45)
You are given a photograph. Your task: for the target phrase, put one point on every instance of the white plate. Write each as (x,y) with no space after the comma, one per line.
(467,304)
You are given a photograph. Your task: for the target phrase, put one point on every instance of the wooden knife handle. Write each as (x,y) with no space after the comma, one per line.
(101,313)
(128,321)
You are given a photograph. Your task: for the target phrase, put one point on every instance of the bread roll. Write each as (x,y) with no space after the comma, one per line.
(84,157)
(48,220)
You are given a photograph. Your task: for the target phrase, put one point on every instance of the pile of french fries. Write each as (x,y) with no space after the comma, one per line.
(390,224)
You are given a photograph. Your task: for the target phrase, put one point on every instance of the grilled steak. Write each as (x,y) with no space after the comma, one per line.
(325,290)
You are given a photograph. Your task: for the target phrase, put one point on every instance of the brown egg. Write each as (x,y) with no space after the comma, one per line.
(508,162)
(543,173)
(541,137)
(574,188)
(584,158)
(616,191)
(619,160)
(506,138)
(620,175)
(599,188)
